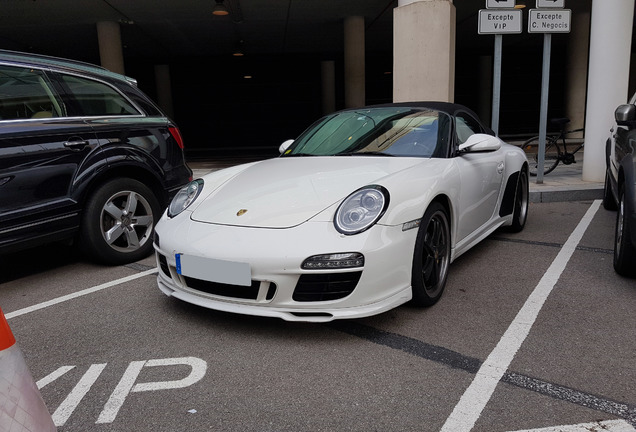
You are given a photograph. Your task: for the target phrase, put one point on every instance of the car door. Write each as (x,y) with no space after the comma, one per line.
(481,178)
(41,152)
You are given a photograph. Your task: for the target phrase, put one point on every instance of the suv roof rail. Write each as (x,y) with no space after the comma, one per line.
(62,62)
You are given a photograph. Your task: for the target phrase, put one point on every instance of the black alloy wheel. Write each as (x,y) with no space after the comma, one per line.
(431,257)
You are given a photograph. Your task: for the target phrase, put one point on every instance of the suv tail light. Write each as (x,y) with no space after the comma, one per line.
(174,131)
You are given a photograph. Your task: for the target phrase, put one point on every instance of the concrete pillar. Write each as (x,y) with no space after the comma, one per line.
(328,77)
(577,56)
(610,51)
(424,50)
(110,49)
(164,89)
(354,62)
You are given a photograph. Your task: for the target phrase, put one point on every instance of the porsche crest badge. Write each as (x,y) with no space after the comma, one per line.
(241,212)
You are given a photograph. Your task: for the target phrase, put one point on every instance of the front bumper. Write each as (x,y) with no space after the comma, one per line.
(279,286)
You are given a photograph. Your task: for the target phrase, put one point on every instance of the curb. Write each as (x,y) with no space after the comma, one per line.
(566,194)
(21,406)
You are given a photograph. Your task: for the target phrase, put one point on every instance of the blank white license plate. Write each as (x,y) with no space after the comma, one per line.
(214,270)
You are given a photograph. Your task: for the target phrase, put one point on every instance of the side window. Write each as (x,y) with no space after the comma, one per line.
(97,99)
(26,94)
(466,126)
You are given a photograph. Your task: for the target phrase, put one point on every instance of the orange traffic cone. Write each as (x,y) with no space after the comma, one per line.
(21,406)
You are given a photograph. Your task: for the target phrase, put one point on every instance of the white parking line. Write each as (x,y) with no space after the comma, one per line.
(605,426)
(475,398)
(66,408)
(53,376)
(77,294)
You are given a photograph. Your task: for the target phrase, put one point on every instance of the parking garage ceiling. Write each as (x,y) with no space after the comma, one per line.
(168,29)
(184,28)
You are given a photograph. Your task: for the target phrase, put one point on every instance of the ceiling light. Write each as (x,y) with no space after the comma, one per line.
(238,51)
(220,9)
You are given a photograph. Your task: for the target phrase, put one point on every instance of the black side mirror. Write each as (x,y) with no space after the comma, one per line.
(625,115)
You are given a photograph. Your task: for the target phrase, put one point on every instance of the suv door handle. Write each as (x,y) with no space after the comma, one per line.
(76,145)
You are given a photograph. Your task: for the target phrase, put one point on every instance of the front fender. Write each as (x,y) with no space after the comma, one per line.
(414,189)
(628,186)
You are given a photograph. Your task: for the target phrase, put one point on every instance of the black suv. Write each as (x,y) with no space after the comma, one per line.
(620,186)
(84,155)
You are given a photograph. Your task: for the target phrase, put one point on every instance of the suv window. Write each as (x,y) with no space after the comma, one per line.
(25,94)
(97,99)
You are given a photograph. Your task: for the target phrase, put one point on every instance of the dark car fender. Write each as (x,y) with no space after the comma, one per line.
(608,160)
(124,162)
(627,173)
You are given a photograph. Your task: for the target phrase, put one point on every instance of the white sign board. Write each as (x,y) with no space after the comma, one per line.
(501,4)
(493,21)
(550,4)
(549,20)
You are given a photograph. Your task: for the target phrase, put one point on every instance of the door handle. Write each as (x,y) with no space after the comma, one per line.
(76,145)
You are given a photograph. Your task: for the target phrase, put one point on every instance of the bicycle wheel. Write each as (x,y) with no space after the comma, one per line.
(552,153)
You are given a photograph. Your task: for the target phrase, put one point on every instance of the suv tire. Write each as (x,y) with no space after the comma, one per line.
(118,221)
(624,253)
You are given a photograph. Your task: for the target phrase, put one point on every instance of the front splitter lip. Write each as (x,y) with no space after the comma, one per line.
(275,257)
(289,314)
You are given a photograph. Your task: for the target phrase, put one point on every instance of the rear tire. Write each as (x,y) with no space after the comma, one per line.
(551,160)
(118,222)
(520,213)
(624,252)
(431,257)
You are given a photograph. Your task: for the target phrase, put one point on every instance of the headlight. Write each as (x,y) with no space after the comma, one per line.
(361,210)
(185,197)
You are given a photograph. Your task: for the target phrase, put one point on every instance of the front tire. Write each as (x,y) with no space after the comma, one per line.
(551,159)
(118,222)
(608,198)
(431,257)
(624,253)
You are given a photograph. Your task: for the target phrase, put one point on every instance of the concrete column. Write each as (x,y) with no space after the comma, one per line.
(354,62)
(164,89)
(578,46)
(110,49)
(424,50)
(610,51)
(328,77)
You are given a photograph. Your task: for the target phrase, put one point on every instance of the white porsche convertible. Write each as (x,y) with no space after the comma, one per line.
(363,212)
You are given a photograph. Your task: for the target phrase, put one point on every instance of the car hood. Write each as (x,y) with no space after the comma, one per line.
(285,192)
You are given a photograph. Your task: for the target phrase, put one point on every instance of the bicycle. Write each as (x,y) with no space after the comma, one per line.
(553,152)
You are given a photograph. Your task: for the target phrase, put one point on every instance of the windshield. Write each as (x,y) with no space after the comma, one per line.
(387,131)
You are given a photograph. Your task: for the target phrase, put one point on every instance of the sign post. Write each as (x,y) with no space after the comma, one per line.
(500,17)
(550,19)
